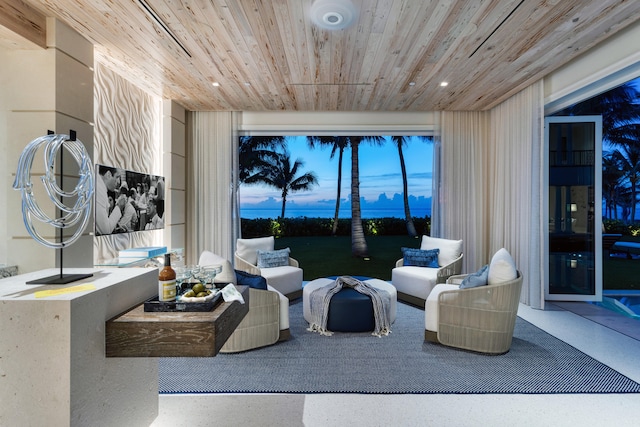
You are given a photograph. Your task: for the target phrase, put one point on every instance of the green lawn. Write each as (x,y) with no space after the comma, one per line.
(331,256)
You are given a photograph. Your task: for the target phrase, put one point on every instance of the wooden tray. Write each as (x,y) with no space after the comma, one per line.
(153,305)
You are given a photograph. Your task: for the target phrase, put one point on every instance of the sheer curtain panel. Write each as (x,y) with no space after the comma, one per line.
(490,185)
(212,179)
(461,191)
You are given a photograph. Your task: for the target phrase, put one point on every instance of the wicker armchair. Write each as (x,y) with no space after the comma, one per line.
(268,319)
(414,284)
(480,319)
(286,279)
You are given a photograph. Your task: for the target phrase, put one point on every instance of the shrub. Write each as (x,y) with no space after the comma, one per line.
(305,226)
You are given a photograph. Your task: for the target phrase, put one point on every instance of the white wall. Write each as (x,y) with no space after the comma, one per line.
(330,122)
(42,89)
(607,65)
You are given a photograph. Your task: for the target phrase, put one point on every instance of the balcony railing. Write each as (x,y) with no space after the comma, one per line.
(571,158)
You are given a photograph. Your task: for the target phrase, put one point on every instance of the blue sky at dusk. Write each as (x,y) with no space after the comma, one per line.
(380,175)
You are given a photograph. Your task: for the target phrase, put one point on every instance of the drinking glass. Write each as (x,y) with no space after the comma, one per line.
(184,277)
(207,274)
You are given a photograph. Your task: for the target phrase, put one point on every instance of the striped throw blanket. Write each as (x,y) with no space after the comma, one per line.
(321,297)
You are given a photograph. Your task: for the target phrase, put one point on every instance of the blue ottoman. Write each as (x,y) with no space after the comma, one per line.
(349,310)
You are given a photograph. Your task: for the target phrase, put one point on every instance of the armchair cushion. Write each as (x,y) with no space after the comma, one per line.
(479,278)
(286,279)
(431,305)
(247,249)
(502,268)
(278,258)
(420,257)
(227,275)
(251,280)
(450,250)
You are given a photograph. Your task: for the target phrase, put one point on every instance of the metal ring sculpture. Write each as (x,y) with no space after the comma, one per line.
(83,192)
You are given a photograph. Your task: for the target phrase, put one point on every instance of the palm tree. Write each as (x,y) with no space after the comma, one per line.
(611,180)
(281,174)
(339,144)
(358,242)
(401,141)
(617,106)
(620,112)
(256,153)
(629,158)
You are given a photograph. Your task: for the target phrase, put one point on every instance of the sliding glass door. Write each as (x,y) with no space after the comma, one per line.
(574,207)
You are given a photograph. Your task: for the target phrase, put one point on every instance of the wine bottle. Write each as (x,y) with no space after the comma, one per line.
(167,281)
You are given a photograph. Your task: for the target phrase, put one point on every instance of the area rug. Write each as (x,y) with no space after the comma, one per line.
(400,363)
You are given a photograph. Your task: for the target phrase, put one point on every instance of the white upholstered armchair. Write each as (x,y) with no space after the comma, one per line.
(414,283)
(257,256)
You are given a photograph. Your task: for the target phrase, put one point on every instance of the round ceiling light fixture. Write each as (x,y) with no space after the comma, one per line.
(332,14)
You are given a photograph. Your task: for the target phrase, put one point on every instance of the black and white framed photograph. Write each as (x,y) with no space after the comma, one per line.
(127,201)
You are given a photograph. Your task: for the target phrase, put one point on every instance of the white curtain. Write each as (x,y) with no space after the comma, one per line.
(490,190)
(212,180)
(459,211)
(515,185)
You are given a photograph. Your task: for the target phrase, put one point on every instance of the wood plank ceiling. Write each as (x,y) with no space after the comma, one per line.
(267,54)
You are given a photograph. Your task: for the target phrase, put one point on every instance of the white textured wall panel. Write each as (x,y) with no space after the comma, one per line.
(127,135)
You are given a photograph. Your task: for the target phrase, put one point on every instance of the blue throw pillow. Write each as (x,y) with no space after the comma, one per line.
(479,278)
(420,257)
(251,280)
(268,259)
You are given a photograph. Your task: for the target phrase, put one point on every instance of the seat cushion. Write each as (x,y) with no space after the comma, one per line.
(431,306)
(415,281)
(450,250)
(247,249)
(286,279)
(284,308)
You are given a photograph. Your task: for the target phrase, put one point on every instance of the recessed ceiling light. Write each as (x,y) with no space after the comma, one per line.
(216,84)
(443,84)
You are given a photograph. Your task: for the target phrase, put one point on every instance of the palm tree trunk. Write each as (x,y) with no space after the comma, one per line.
(633,200)
(284,202)
(336,215)
(411,228)
(358,243)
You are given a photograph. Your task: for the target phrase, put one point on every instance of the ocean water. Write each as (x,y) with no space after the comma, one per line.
(329,213)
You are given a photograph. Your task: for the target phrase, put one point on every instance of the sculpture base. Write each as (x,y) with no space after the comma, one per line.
(59,279)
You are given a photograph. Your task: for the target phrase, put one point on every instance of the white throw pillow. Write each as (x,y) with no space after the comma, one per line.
(502,268)
(247,249)
(450,250)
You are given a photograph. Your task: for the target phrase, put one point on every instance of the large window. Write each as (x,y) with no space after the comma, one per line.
(300,176)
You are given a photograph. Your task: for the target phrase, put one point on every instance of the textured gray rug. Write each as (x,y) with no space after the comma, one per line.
(400,363)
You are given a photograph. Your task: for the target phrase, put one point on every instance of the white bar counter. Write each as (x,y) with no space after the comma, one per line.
(53,369)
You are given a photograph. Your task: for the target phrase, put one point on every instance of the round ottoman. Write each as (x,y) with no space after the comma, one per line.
(349,310)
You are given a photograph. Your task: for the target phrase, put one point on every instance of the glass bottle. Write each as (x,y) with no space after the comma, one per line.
(167,281)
